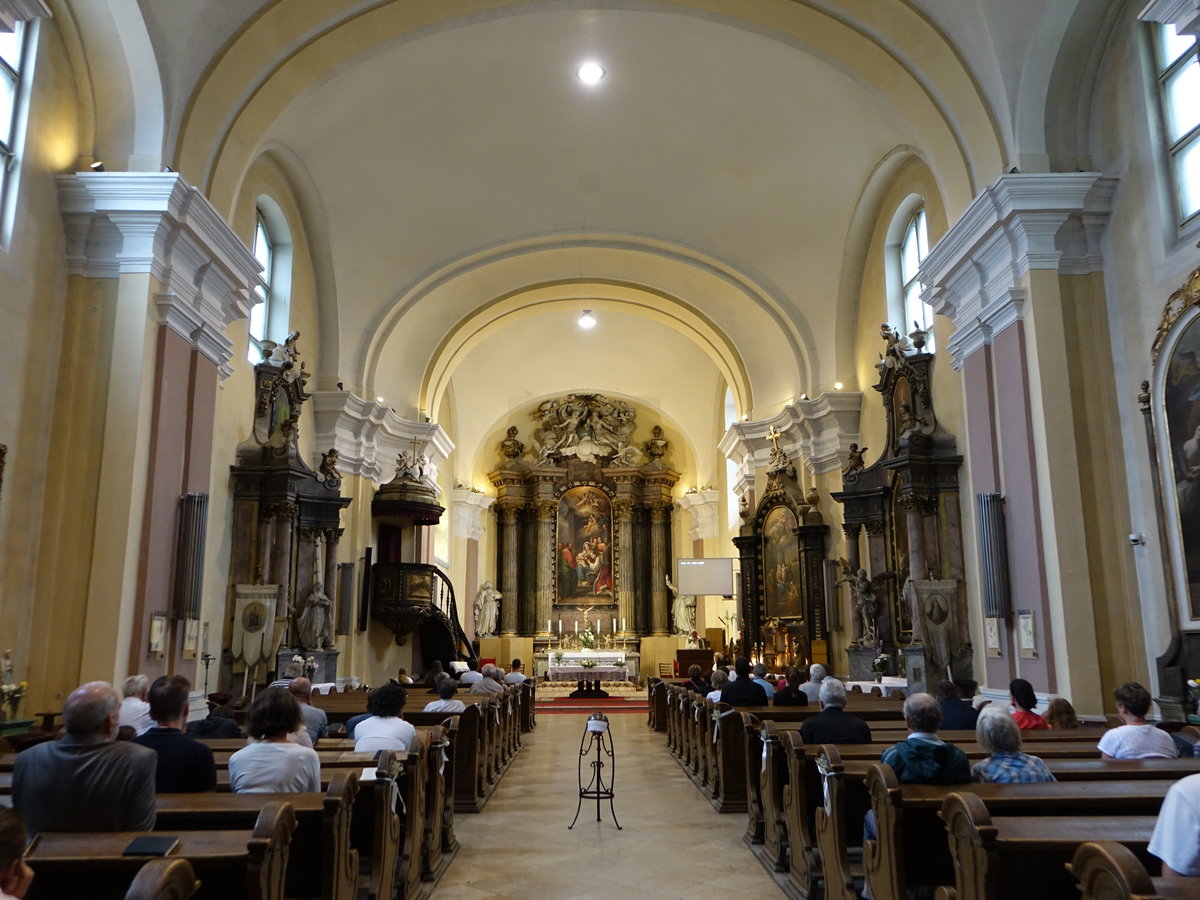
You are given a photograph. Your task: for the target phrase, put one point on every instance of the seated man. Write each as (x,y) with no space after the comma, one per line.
(832,725)
(760,673)
(291,670)
(219,723)
(316,722)
(385,730)
(812,687)
(515,675)
(15,874)
(446,704)
(957,713)
(1176,837)
(744,690)
(135,711)
(923,758)
(998,734)
(185,765)
(489,682)
(86,781)
(1137,738)
(472,675)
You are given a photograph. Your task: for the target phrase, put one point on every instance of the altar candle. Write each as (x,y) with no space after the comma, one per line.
(549,630)
(598,627)
(560,627)
(577,626)
(622,623)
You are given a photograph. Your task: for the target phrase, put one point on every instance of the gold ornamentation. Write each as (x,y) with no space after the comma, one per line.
(1177,304)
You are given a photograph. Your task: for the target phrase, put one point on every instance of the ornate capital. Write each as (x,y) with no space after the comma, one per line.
(469,507)
(509,513)
(875,526)
(975,273)
(703,506)
(133,222)
(852,529)
(546,510)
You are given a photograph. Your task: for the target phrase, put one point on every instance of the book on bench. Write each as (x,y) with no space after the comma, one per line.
(151,845)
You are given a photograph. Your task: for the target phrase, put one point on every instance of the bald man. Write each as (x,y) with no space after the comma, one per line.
(315,720)
(85,781)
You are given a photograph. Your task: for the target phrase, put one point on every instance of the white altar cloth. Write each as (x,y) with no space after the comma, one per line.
(602,657)
(588,673)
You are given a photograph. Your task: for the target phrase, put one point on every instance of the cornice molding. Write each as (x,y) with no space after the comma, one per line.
(120,223)
(369,436)
(1042,221)
(14,11)
(1183,14)
(468,513)
(814,433)
(703,505)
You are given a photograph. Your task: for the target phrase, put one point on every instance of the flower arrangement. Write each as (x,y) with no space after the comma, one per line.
(558,658)
(310,665)
(11,694)
(1193,689)
(587,640)
(588,663)
(881,663)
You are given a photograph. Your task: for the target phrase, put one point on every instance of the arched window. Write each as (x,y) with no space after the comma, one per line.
(273,249)
(914,247)
(16,66)
(1179,93)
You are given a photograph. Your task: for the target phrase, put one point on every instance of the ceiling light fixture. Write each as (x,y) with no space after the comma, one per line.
(587,320)
(590,73)
(97,166)
(837,385)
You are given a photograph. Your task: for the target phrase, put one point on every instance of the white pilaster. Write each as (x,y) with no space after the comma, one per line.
(369,436)
(468,512)
(702,504)
(1022,222)
(122,223)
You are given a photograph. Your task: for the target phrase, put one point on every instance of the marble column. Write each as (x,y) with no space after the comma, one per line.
(658,570)
(623,509)
(510,546)
(852,532)
(281,559)
(918,568)
(332,536)
(546,562)
(266,540)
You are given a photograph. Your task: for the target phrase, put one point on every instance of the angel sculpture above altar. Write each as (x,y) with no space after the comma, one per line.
(867,607)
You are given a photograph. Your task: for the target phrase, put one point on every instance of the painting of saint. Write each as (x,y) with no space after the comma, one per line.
(1181,398)
(583,546)
(781,565)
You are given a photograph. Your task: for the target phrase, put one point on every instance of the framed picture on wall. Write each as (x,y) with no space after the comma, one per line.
(191,638)
(1026,637)
(991,636)
(158,635)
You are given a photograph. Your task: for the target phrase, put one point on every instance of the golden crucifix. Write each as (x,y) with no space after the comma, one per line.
(773,436)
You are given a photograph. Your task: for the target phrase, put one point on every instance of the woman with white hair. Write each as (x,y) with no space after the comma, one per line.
(999,735)
(135,708)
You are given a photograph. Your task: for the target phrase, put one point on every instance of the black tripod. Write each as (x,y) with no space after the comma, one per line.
(596,736)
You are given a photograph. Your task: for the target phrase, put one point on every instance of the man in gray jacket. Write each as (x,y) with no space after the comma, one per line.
(86,781)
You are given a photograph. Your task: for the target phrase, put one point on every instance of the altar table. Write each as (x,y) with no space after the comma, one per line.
(589,673)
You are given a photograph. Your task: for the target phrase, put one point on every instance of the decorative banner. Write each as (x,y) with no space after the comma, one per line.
(253,622)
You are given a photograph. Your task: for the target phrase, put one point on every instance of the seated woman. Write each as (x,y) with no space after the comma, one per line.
(273,764)
(998,734)
(1061,714)
(385,730)
(1024,701)
(695,682)
(447,704)
(719,680)
(790,694)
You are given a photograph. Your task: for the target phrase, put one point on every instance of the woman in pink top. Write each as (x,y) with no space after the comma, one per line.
(1024,700)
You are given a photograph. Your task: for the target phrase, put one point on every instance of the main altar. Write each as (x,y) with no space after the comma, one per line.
(583,517)
(576,665)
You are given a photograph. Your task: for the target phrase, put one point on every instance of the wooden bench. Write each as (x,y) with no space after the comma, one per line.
(229,863)
(320,852)
(1026,856)
(163,879)
(1110,871)
(912,848)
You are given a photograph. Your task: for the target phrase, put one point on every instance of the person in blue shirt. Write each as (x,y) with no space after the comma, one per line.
(999,735)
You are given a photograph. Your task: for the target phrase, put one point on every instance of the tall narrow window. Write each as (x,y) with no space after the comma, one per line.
(1179,91)
(260,314)
(12,66)
(914,247)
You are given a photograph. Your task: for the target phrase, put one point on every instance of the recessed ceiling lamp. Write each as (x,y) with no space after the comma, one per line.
(586,320)
(590,73)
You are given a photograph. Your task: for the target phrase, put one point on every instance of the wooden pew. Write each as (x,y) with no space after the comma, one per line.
(1110,871)
(1026,856)
(163,879)
(912,848)
(320,853)
(229,864)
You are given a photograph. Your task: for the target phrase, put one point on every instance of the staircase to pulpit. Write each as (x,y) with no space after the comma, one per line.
(418,598)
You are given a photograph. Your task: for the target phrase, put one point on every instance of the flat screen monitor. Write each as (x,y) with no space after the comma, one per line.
(706,577)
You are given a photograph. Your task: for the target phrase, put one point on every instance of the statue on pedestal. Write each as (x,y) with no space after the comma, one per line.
(314,623)
(683,609)
(867,607)
(487,609)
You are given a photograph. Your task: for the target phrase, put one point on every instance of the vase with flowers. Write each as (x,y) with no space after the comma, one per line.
(881,665)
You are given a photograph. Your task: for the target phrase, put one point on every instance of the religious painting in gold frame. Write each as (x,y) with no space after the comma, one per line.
(583,546)
(781,564)
(1176,418)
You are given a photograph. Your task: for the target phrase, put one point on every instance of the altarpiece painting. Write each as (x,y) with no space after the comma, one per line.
(584,545)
